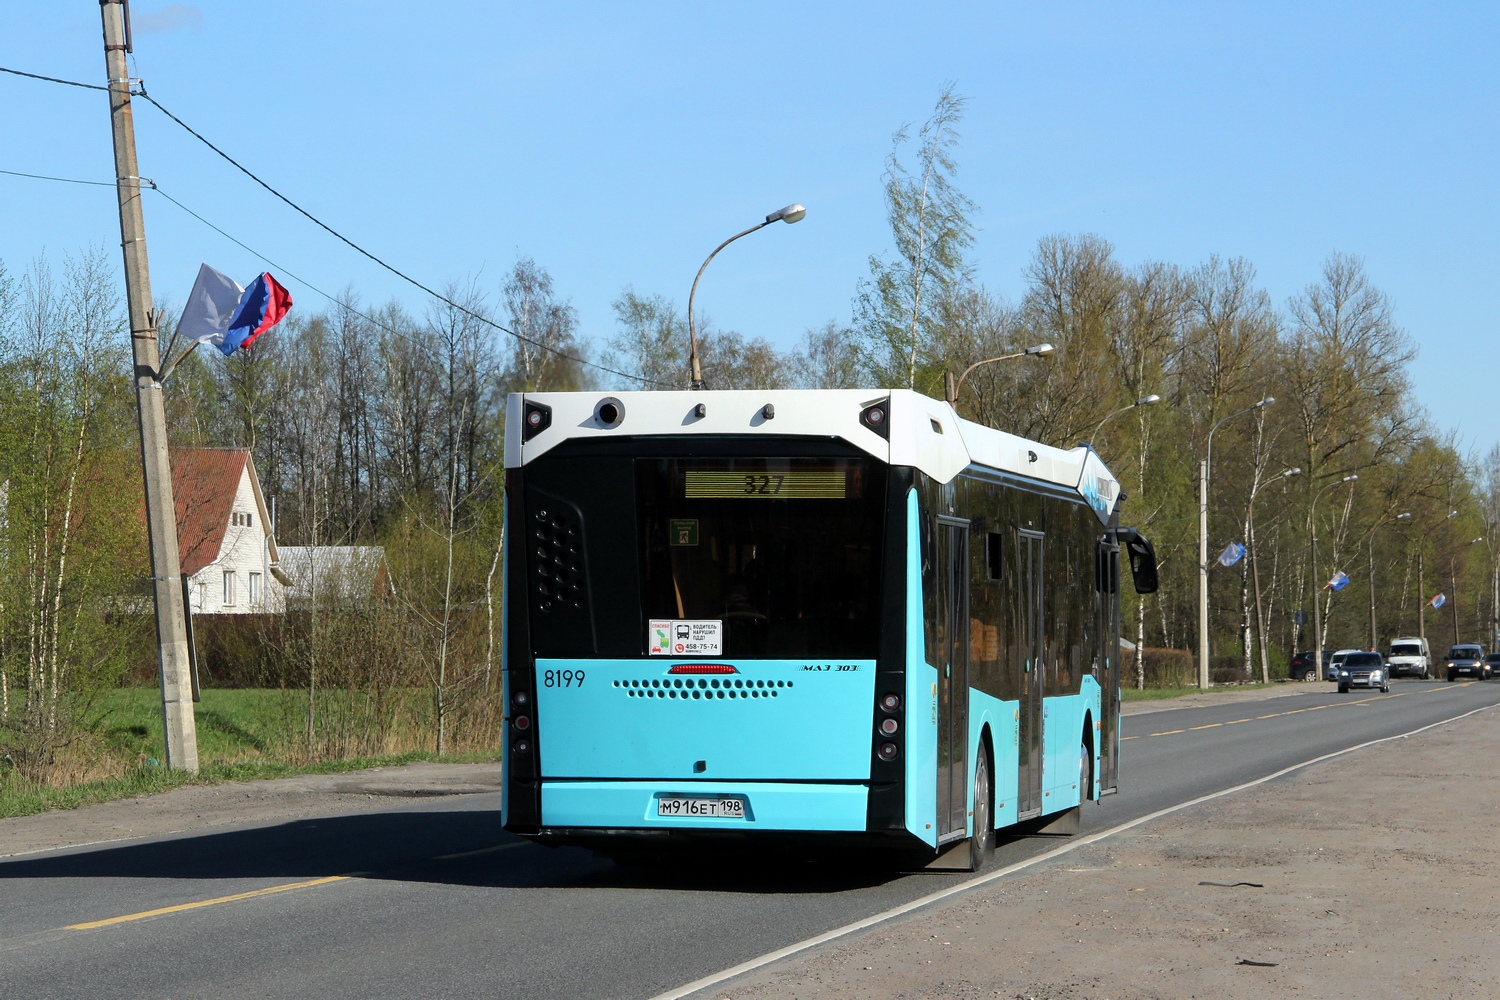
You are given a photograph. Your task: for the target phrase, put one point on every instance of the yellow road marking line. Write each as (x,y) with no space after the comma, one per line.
(482,850)
(1211,725)
(180,907)
(1170,732)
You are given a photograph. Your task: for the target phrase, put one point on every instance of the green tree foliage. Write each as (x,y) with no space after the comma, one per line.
(899,308)
(67,556)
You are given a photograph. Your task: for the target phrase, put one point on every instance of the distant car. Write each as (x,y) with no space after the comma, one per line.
(1409,655)
(1333,665)
(1303,668)
(1361,669)
(1491,665)
(1467,660)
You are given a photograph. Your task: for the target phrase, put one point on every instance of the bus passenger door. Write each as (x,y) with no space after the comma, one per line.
(953,678)
(1029,571)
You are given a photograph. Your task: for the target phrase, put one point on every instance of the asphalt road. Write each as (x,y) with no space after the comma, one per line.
(433,900)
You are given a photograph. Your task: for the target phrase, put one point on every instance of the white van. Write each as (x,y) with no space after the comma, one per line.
(1410,656)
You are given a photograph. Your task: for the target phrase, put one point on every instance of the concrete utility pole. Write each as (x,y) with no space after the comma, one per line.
(1205,469)
(173,663)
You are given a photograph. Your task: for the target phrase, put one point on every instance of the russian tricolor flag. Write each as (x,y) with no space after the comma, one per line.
(221,313)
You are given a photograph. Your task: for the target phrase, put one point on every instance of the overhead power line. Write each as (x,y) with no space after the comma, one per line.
(336,300)
(53,79)
(141,92)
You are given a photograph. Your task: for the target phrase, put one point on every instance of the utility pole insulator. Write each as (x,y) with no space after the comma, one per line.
(174,663)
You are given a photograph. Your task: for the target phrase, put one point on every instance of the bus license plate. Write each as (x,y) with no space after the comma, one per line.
(699,806)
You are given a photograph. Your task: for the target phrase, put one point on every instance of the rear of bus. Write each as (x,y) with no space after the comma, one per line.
(699,626)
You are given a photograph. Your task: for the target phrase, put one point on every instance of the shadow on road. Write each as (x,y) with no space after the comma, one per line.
(459,847)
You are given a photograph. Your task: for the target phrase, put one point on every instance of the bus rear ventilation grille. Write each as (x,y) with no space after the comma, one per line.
(701,689)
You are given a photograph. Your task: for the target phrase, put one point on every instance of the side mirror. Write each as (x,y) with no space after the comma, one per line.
(1142,559)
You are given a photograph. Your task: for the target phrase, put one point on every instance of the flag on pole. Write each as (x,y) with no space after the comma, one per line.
(221,313)
(1438,599)
(1233,553)
(1339,582)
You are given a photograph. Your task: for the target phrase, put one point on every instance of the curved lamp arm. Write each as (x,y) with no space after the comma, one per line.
(789,214)
(1040,350)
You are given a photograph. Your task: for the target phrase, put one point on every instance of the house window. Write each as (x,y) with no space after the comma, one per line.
(228,587)
(254,588)
(242,520)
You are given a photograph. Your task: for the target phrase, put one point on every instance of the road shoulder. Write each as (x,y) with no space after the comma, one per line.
(1365,876)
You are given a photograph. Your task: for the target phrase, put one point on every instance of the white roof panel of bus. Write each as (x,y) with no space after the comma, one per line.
(924,433)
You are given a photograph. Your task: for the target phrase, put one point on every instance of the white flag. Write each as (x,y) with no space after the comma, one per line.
(210,307)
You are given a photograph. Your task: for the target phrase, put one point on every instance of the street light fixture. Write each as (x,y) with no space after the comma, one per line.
(952,385)
(1370,542)
(1312,527)
(789,214)
(1203,474)
(1150,400)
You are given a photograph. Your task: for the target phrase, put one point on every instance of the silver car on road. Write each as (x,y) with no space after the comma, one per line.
(1366,670)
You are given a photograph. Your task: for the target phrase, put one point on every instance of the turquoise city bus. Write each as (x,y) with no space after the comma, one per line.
(838,614)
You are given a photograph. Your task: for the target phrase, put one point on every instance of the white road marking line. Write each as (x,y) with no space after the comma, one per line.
(1093,838)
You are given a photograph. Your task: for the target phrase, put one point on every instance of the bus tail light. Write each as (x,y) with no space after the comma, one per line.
(703,668)
(887,751)
(888,727)
(521,746)
(890,701)
(521,723)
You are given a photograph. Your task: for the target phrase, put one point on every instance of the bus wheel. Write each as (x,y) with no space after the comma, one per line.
(1085,774)
(982,843)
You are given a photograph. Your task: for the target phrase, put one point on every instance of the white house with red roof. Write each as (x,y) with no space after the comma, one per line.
(224,534)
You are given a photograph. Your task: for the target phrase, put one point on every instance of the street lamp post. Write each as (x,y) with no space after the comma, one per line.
(1204,470)
(1421,574)
(1260,618)
(952,385)
(790,214)
(1370,542)
(1312,526)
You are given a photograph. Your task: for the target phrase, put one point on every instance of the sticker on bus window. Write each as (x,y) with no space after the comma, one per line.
(677,637)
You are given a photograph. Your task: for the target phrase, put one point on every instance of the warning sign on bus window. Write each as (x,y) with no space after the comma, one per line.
(669,637)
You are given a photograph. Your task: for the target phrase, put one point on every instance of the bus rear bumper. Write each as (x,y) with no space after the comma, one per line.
(769,806)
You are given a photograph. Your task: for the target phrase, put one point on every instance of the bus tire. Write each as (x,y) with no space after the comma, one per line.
(982,842)
(1085,774)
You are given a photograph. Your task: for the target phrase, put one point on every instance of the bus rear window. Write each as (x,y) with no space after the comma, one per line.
(784,552)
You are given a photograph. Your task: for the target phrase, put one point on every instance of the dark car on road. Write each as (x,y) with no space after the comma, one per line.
(1467,660)
(1360,669)
(1492,666)
(1304,669)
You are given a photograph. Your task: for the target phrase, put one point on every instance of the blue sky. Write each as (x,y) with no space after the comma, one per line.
(617,145)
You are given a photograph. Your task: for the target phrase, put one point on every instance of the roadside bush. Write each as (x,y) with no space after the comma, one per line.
(1169,668)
